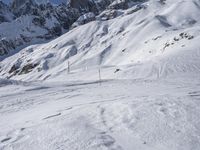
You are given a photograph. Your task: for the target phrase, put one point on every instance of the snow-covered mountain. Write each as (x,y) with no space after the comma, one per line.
(150,39)
(32,23)
(23,23)
(100,75)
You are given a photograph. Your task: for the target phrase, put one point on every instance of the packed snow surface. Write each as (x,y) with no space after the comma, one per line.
(118,114)
(148,97)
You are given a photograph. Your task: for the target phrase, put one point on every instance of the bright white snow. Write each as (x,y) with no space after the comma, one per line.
(149,97)
(118,114)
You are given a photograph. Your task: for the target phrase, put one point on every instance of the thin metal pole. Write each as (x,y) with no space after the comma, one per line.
(68,67)
(100,76)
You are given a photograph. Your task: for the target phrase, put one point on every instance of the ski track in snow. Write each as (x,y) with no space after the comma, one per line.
(91,117)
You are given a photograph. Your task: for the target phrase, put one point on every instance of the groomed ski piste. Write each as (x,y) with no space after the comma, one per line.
(148,97)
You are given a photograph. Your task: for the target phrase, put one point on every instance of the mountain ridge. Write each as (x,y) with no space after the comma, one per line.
(45,22)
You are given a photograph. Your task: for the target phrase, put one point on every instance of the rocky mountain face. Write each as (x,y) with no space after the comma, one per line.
(25,22)
(5,13)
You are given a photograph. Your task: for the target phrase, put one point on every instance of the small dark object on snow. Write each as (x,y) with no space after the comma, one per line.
(123,50)
(6,139)
(117,70)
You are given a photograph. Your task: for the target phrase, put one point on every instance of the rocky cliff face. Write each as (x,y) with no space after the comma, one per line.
(25,22)
(5,13)
(23,7)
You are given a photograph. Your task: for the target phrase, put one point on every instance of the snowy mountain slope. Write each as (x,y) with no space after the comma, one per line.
(148,97)
(148,40)
(52,20)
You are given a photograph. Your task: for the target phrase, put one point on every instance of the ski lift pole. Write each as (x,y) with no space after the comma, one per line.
(68,67)
(100,76)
